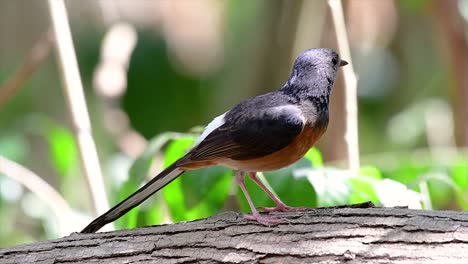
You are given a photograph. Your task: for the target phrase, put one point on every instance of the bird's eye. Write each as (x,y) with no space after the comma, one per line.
(334,61)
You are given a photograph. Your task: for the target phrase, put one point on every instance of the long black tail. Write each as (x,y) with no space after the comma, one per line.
(158,182)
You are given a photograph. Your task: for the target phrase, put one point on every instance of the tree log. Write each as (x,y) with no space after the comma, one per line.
(326,235)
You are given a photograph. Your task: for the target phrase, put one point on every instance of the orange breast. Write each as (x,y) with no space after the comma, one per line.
(282,158)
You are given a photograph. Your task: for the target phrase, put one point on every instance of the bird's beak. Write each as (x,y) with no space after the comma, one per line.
(343,63)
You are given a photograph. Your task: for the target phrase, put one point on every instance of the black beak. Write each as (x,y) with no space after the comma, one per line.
(343,63)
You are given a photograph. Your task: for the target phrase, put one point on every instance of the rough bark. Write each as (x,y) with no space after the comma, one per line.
(337,235)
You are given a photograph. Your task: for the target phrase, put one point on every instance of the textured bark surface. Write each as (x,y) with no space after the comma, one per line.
(338,235)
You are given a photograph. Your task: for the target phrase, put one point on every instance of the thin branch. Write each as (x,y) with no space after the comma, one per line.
(37,55)
(43,190)
(77,105)
(350,80)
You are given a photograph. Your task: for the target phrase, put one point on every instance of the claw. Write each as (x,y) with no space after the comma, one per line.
(283,208)
(264,220)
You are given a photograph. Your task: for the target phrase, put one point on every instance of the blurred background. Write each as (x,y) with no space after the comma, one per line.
(153,67)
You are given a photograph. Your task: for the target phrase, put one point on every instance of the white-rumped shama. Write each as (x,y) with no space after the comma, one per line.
(264,133)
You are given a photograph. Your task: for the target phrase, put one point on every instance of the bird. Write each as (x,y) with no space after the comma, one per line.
(263,133)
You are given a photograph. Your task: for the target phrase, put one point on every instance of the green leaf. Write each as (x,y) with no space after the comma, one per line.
(63,150)
(459,173)
(407,172)
(315,157)
(331,186)
(172,193)
(141,166)
(293,187)
(177,148)
(62,146)
(371,171)
(362,190)
(394,193)
(362,185)
(151,211)
(288,184)
(198,185)
(129,220)
(205,191)
(442,188)
(198,193)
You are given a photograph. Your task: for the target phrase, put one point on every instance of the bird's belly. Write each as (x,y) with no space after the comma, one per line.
(282,158)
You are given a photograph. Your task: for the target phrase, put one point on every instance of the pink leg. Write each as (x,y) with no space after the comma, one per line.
(280,205)
(264,220)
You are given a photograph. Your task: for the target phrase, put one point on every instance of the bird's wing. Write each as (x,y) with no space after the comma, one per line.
(249,136)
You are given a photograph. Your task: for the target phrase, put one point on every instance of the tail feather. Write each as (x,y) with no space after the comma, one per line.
(158,182)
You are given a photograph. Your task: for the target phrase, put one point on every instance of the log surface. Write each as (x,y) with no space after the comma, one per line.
(328,235)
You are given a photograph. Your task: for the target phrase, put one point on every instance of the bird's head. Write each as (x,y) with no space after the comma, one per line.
(317,61)
(315,69)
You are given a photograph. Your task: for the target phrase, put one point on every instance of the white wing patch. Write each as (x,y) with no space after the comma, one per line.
(217,122)
(292,111)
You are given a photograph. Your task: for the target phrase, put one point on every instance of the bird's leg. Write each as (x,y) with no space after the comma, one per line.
(265,220)
(280,205)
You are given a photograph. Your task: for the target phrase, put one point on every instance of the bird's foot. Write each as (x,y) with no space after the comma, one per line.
(283,208)
(264,220)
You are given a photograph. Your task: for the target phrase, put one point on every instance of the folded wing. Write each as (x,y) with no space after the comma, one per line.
(244,137)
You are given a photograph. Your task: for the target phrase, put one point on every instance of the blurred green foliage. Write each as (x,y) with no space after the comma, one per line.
(150,65)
